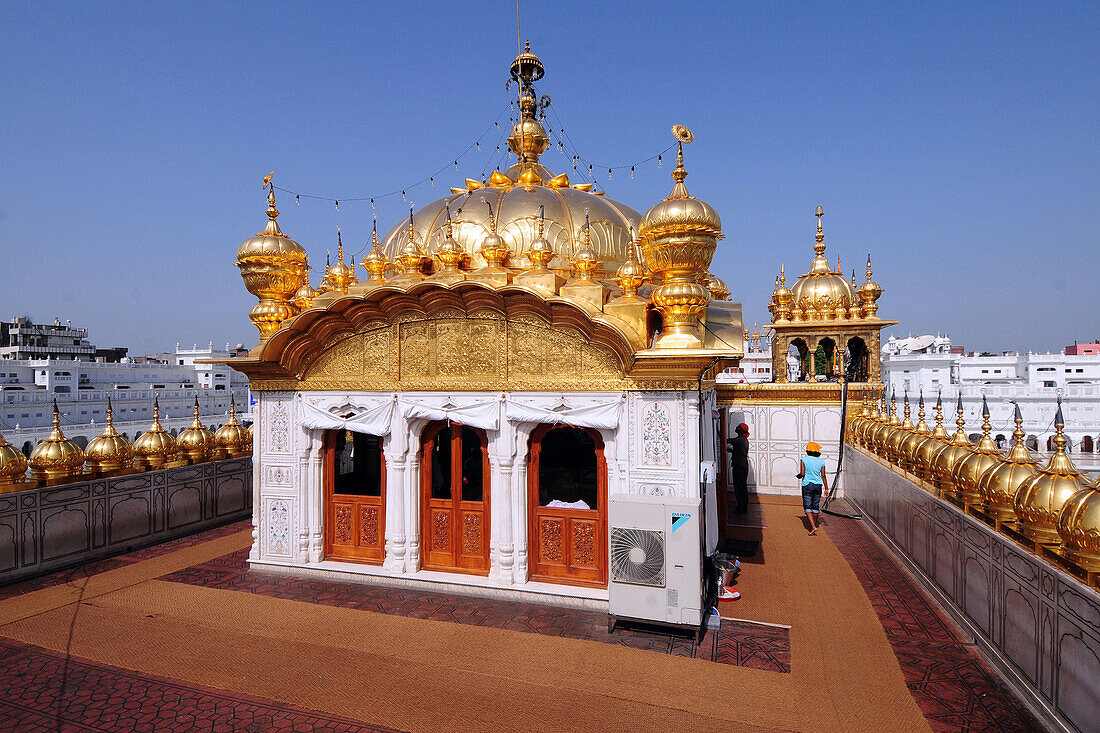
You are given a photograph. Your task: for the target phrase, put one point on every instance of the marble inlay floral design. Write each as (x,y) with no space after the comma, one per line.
(278,527)
(656,435)
(280,428)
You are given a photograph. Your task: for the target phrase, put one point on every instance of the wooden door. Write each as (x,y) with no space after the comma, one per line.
(355,497)
(567,544)
(454,506)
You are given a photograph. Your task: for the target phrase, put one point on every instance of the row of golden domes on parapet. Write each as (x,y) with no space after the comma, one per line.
(1053,505)
(58,459)
(822,294)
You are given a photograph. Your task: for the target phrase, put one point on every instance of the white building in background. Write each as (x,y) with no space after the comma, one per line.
(1034,381)
(28,387)
(756,365)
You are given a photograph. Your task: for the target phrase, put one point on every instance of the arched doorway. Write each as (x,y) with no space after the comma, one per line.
(1086,444)
(825,366)
(855,368)
(355,497)
(567,506)
(454,498)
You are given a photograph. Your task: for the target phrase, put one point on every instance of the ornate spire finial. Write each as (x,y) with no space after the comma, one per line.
(959,412)
(868,266)
(339,246)
(986,426)
(1018,434)
(1059,438)
(783,274)
(57,415)
(272,212)
(110,412)
(682,135)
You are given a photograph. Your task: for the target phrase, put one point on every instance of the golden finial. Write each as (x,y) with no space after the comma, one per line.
(819,238)
(56,456)
(272,212)
(868,265)
(682,135)
(960,423)
(493,248)
(906,423)
(375,263)
(585,260)
(630,274)
(920,407)
(540,252)
(783,274)
(450,252)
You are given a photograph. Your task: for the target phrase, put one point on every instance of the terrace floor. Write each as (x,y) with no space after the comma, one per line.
(830,634)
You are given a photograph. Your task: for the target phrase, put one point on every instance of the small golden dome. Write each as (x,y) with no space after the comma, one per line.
(999,484)
(196,442)
(233,439)
(340,275)
(896,439)
(110,451)
(869,293)
(303,299)
(56,457)
(585,261)
(680,214)
(869,422)
(1041,497)
(156,446)
(540,252)
(375,263)
(717,287)
(1079,527)
(911,444)
(984,456)
(926,451)
(946,458)
(880,419)
(821,294)
(630,276)
(890,423)
(13,464)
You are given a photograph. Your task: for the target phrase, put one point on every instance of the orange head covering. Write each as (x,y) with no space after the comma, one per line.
(812,446)
(743,428)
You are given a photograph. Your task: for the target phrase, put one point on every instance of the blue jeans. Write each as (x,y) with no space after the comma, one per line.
(811,498)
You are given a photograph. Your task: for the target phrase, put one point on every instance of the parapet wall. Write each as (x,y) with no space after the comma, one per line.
(1038,624)
(53,527)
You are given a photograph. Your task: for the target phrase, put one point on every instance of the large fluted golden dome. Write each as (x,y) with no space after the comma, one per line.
(271,244)
(156,446)
(56,456)
(13,464)
(196,442)
(233,439)
(109,451)
(519,197)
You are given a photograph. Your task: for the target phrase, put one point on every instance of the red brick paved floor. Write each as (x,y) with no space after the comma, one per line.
(741,644)
(954,687)
(43,692)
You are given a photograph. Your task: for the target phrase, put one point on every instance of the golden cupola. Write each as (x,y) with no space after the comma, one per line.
(946,458)
(909,448)
(890,423)
(881,420)
(156,447)
(196,443)
(375,263)
(1041,497)
(341,276)
(983,456)
(13,464)
(109,452)
(926,451)
(678,238)
(233,439)
(56,457)
(273,267)
(822,294)
(1079,527)
(869,293)
(999,484)
(517,195)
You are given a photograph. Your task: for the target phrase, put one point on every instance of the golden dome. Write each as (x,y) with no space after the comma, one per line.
(909,448)
(890,423)
(304,297)
(680,214)
(196,442)
(896,439)
(984,456)
(879,417)
(109,452)
(375,263)
(56,457)
(156,446)
(872,421)
(717,287)
(1079,527)
(926,451)
(340,275)
(518,195)
(855,423)
(869,293)
(273,267)
(233,439)
(1041,497)
(822,294)
(999,484)
(946,458)
(13,464)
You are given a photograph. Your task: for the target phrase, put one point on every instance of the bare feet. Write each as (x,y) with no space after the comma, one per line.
(813,531)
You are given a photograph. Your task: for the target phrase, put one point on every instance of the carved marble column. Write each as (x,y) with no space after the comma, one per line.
(257,474)
(521,434)
(313,477)
(811,359)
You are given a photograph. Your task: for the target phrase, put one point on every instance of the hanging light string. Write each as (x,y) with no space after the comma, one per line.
(404,190)
(589,168)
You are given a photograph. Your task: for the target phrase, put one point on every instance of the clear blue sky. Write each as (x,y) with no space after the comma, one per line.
(958,142)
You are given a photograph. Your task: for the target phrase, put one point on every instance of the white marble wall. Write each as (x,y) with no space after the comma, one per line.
(778,434)
(653,449)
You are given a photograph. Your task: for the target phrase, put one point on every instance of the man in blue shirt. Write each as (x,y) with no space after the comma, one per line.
(811,469)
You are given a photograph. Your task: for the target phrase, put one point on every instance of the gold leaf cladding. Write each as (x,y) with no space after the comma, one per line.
(344,360)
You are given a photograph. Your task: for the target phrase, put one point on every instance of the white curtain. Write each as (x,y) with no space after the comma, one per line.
(340,412)
(481,413)
(600,415)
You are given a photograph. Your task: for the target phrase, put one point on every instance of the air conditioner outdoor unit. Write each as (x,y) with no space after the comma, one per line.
(656,560)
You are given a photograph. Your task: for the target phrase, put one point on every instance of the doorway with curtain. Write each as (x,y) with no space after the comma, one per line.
(354,481)
(454,498)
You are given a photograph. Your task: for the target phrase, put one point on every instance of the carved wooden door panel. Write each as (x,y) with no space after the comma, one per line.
(567,500)
(355,497)
(454,484)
